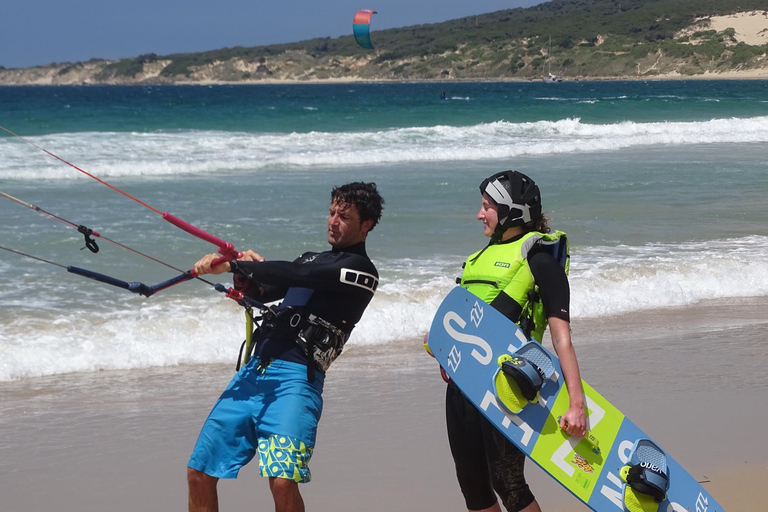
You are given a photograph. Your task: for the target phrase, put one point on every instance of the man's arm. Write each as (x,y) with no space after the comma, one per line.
(328,272)
(251,288)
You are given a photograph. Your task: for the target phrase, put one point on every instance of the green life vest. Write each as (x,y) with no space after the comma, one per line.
(503,267)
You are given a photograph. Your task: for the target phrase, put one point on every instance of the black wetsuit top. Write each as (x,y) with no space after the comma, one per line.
(334,285)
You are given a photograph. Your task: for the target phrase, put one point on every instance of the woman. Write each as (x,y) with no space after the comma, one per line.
(522,273)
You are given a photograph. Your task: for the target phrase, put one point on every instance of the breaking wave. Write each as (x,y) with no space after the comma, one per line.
(195,152)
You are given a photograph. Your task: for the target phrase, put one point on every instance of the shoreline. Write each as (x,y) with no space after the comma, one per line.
(752,74)
(693,379)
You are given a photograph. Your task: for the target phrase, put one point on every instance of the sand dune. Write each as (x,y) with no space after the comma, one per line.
(751,27)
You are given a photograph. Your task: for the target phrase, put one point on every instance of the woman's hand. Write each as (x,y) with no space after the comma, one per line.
(426,346)
(574,422)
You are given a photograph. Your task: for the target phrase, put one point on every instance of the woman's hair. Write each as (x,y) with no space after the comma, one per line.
(539,224)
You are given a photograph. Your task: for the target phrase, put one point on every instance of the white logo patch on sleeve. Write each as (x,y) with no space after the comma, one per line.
(360,279)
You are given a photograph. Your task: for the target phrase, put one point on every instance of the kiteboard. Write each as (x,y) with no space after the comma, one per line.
(518,385)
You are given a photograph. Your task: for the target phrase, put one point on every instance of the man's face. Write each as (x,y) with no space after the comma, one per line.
(344,226)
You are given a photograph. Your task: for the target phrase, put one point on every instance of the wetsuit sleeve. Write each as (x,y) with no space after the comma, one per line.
(554,290)
(329,272)
(255,290)
(553,285)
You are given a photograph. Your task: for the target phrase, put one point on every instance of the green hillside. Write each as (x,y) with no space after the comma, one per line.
(590,38)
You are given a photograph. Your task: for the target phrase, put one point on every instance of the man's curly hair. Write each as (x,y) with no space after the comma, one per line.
(363,196)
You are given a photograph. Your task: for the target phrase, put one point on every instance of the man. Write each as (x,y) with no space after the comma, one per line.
(273,405)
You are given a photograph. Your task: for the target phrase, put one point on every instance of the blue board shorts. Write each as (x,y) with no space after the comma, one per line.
(271,410)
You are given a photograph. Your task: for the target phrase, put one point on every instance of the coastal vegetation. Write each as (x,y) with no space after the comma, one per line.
(589,39)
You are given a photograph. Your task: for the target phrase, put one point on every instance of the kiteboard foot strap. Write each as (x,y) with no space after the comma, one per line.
(528,376)
(646,477)
(521,375)
(649,480)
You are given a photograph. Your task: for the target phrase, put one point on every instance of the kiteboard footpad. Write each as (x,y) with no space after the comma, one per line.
(521,375)
(646,477)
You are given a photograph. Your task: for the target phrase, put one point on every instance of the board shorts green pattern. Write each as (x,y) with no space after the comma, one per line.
(285,457)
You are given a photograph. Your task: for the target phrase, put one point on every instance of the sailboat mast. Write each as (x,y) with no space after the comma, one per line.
(549,53)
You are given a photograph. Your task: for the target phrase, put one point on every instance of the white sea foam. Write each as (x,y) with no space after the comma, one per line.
(45,337)
(614,280)
(195,152)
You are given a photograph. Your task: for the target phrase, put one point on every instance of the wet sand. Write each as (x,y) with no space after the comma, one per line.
(692,378)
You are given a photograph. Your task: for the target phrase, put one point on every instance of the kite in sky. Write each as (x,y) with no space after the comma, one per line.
(361,27)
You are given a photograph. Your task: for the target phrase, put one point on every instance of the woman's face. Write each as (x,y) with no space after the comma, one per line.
(489,214)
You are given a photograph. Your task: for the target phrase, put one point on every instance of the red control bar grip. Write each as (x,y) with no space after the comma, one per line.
(226,249)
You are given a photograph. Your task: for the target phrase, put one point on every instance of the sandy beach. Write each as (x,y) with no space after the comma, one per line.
(693,378)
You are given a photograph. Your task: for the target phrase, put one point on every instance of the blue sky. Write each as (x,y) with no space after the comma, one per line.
(38,32)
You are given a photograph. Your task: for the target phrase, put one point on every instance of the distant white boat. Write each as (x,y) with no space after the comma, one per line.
(550,78)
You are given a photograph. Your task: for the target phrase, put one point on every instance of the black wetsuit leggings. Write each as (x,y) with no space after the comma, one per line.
(486,461)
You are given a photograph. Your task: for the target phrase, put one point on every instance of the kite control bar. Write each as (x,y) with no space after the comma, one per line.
(226,249)
(133,287)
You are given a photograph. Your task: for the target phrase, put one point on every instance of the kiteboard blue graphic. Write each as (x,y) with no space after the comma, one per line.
(518,385)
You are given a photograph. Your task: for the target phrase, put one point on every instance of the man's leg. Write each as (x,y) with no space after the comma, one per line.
(285,449)
(286,495)
(227,441)
(202,491)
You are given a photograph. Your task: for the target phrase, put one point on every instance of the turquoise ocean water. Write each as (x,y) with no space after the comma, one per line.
(661,186)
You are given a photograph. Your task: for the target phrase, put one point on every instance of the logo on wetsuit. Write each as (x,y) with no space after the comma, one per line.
(357,278)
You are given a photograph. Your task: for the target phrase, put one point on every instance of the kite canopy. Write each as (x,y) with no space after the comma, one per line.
(361,27)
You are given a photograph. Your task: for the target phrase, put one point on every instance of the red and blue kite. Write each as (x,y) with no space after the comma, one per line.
(361,27)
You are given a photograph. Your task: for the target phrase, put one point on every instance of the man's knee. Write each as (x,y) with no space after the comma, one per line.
(199,479)
(283,487)
(286,495)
